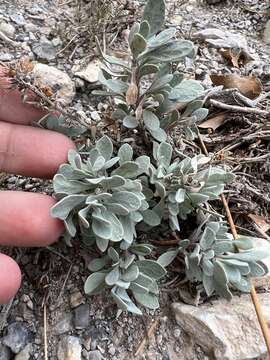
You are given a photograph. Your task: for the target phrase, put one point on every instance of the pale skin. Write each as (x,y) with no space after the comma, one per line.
(25,217)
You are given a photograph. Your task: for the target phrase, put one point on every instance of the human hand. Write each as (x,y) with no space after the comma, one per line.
(25,217)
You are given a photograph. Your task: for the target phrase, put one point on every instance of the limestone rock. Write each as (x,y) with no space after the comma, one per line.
(5,353)
(63,324)
(17,337)
(25,353)
(228,329)
(90,73)
(69,348)
(95,355)
(81,316)
(44,50)
(8,29)
(58,81)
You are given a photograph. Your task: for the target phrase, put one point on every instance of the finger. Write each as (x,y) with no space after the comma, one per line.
(10,278)
(31,151)
(25,220)
(14,110)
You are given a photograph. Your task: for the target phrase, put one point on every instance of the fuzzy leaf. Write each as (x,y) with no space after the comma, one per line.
(180,196)
(98,264)
(62,209)
(131,274)
(159,83)
(221,281)
(151,268)
(134,30)
(128,169)
(105,147)
(167,258)
(151,121)
(113,254)
(159,134)
(117,209)
(200,114)
(207,239)
(94,282)
(243,243)
(208,284)
(164,154)
(162,38)
(151,218)
(125,153)
(141,249)
(144,29)
(148,300)
(137,45)
(130,122)
(113,276)
(256,269)
(186,91)
(154,14)
(171,52)
(144,164)
(147,69)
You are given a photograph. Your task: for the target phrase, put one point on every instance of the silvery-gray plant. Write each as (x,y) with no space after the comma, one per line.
(221,263)
(101,194)
(183,186)
(105,196)
(152,95)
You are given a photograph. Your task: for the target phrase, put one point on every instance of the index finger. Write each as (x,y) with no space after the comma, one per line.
(14,110)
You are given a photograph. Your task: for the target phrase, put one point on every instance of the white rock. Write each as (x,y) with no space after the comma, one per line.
(8,29)
(266,34)
(90,73)
(69,348)
(57,80)
(224,39)
(228,329)
(25,353)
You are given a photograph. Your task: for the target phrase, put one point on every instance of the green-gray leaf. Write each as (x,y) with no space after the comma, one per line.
(125,153)
(137,45)
(167,258)
(113,276)
(105,147)
(94,282)
(151,268)
(186,91)
(151,121)
(154,14)
(130,122)
(151,218)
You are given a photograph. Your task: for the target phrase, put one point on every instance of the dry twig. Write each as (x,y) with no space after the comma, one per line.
(244,109)
(45,332)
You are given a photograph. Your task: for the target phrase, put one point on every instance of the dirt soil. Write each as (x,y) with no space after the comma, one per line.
(53,277)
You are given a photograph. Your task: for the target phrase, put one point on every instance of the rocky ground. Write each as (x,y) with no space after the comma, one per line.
(51,312)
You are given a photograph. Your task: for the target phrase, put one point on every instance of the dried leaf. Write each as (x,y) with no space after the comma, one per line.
(260,222)
(235,56)
(249,86)
(214,122)
(132,94)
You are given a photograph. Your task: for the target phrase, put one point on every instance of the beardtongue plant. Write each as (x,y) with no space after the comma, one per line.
(104,195)
(150,93)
